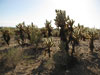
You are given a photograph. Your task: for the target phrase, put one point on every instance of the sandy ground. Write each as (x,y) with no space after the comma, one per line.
(37,63)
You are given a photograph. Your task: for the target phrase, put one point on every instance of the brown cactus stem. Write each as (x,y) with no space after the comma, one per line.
(91,44)
(73,48)
(49,52)
(63,38)
(70,38)
(6,37)
(29,37)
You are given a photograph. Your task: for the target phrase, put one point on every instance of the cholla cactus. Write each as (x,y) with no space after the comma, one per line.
(49,43)
(70,29)
(27,30)
(48,28)
(92,35)
(76,36)
(17,38)
(36,36)
(21,32)
(82,32)
(91,44)
(6,36)
(61,21)
(75,42)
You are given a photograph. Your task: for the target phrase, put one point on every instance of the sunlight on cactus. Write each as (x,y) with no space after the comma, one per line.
(49,43)
(48,28)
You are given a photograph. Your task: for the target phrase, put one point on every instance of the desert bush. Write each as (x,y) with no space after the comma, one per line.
(10,59)
(10,29)
(36,36)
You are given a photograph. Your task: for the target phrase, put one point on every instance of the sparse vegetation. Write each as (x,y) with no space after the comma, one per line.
(65,45)
(36,36)
(10,59)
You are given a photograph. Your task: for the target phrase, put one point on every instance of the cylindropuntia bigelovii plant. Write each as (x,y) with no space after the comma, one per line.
(61,21)
(48,28)
(21,32)
(27,30)
(6,36)
(91,43)
(49,43)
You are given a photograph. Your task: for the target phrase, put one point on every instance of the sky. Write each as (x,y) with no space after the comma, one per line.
(13,12)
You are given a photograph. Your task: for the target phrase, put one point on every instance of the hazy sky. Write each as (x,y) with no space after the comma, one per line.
(85,12)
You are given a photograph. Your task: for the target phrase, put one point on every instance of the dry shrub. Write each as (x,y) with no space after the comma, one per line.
(10,59)
(36,36)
